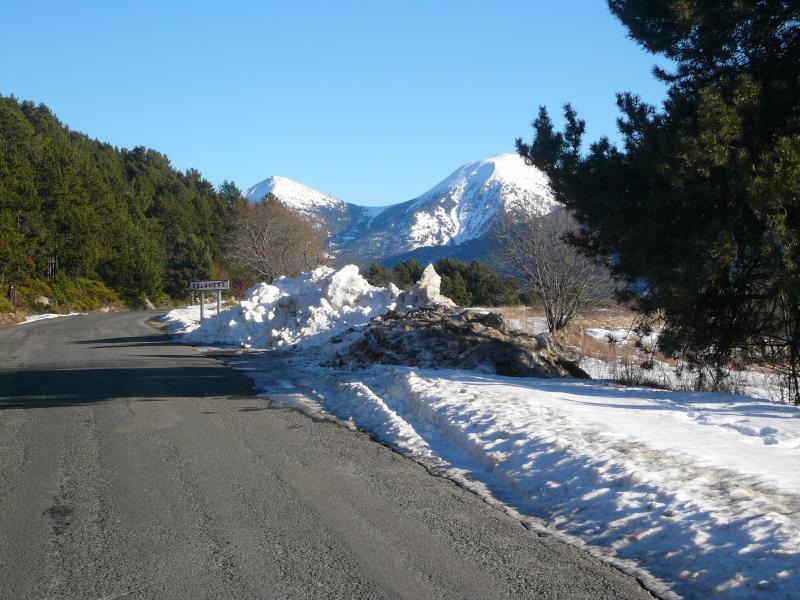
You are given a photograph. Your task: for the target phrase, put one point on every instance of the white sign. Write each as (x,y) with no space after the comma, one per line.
(209,286)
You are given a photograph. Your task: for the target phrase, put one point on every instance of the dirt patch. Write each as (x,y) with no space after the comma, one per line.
(442,337)
(9,319)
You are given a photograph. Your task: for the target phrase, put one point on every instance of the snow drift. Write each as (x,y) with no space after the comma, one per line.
(304,311)
(291,311)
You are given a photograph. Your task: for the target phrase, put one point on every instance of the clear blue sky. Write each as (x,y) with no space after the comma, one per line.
(372,101)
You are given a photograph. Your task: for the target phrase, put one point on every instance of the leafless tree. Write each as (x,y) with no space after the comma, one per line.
(534,252)
(269,240)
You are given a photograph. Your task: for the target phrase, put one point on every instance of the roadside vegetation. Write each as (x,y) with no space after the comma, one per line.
(697,211)
(535,252)
(84,224)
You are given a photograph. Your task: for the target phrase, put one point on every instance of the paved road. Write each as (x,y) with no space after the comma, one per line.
(132,467)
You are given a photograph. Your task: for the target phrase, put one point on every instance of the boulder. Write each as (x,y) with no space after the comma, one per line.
(43,300)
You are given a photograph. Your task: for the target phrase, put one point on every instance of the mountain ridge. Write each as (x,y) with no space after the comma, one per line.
(462,207)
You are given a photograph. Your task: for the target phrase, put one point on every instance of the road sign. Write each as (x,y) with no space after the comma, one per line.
(209,286)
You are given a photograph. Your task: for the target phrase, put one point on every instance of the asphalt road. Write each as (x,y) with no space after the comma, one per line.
(133,467)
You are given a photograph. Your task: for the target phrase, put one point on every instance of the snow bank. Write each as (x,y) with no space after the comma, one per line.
(427,290)
(697,493)
(304,311)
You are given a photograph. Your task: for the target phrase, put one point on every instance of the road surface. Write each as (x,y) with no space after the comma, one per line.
(133,467)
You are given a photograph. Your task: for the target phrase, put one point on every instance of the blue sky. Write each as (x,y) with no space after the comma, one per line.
(371,101)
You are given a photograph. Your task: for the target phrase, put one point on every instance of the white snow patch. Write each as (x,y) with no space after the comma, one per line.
(751,383)
(530,325)
(45,316)
(427,290)
(617,336)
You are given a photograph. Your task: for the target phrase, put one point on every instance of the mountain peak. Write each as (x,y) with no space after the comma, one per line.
(296,196)
(469,201)
(463,207)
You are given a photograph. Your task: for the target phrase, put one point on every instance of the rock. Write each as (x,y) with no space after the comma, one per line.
(542,340)
(9,319)
(148,305)
(494,321)
(43,300)
(440,336)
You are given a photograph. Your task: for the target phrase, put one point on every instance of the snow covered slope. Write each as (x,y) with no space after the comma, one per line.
(462,208)
(466,204)
(322,209)
(301,198)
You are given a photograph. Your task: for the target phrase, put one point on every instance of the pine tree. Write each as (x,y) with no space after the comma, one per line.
(699,210)
(407,273)
(455,287)
(378,275)
(231,193)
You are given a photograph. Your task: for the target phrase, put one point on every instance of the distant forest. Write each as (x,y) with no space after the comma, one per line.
(84,223)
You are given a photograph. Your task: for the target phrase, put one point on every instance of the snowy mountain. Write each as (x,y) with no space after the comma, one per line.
(455,215)
(333,214)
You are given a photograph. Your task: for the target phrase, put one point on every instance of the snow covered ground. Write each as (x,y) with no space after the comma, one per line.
(621,336)
(45,316)
(754,384)
(698,494)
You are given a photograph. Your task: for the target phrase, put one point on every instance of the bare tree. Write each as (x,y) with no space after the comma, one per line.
(533,250)
(269,240)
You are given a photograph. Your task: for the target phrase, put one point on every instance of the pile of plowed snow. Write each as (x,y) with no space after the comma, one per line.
(450,338)
(303,311)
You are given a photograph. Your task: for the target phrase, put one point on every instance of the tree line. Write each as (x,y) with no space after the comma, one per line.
(113,222)
(467,284)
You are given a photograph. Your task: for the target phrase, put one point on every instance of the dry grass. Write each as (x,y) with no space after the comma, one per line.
(525,318)
(627,363)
